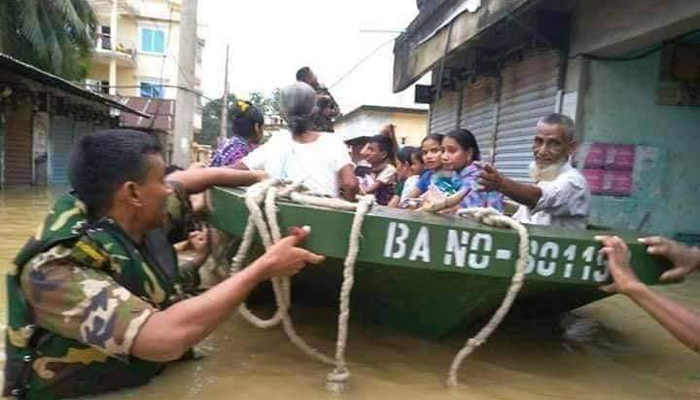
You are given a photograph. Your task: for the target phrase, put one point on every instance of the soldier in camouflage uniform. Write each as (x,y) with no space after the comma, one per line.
(327,110)
(96,301)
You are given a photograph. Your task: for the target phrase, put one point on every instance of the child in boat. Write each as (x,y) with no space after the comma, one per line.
(246,125)
(459,151)
(381,179)
(408,169)
(435,182)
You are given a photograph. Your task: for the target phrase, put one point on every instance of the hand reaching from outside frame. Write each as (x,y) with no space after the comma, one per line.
(685,259)
(618,256)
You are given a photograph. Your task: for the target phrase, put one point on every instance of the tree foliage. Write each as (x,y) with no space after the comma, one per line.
(211,121)
(269,104)
(54,35)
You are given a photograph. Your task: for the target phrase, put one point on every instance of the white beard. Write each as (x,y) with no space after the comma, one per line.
(545,174)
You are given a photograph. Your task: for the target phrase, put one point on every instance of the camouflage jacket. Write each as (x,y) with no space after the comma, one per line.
(77,296)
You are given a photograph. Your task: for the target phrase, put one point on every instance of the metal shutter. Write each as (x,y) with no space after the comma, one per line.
(60,145)
(480,112)
(443,113)
(18,146)
(81,129)
(528,93)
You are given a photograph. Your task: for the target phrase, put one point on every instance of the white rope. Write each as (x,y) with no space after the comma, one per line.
(337,378)
(268,191)
(255,195)
(491,217)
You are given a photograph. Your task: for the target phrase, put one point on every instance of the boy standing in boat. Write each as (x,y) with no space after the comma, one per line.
(560,196)
(327,109)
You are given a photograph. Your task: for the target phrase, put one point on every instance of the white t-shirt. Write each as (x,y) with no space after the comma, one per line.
(408,186)
(316,163)
(565,201)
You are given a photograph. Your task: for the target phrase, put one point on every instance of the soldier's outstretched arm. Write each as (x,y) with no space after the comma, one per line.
(200,179)
(168,334)
(680,322)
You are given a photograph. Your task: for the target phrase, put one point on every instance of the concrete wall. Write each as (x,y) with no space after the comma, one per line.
(410,126)
(619,107)
(613,27)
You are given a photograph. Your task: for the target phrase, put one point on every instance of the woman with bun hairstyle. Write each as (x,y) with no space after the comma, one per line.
(246,123)
(319,160)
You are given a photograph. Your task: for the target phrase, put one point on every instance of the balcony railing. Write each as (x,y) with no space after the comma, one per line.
(118,46)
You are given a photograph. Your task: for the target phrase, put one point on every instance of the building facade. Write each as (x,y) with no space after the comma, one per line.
(136,52)
(627,71)
(367,120)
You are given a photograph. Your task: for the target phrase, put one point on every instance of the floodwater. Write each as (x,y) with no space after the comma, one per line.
(610,350)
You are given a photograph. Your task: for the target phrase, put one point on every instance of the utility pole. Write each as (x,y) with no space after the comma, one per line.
(186,100)
(224,103)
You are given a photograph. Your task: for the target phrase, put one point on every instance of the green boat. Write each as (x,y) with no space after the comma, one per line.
(431,275)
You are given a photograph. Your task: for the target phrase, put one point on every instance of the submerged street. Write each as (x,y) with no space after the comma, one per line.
(611,350)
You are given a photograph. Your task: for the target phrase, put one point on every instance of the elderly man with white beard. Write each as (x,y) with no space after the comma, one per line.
(560,196)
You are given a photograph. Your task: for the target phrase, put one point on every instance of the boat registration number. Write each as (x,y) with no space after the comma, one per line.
(478,251)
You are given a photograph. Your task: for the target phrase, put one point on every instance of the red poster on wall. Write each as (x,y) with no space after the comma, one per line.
(608,168)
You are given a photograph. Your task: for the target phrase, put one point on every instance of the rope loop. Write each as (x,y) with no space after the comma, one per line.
(491,217)
(269,231)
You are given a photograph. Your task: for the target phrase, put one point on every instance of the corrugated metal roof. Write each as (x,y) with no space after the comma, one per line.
(31,72)
(161,110)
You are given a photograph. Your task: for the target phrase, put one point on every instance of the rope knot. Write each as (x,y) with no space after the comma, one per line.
(337,380)
(338,375)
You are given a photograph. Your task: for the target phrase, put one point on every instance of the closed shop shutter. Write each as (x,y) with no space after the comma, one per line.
(60,145)
(479,112)
(443,113)
(528,93)
(81,129)
(18,146)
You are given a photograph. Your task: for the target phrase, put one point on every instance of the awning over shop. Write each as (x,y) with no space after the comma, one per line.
(419,49)
(28,71)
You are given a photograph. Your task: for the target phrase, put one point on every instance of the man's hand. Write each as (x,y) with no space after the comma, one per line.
(685,259)
(624,279)
(490,179)
(285,259)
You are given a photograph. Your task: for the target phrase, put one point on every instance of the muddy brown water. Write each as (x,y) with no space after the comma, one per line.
(611,350)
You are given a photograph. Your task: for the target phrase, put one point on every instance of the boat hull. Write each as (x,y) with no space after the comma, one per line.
(431,275)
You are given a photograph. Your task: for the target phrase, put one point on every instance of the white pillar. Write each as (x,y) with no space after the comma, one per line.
(114,18)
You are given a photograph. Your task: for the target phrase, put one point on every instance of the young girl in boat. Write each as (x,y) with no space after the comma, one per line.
(459,151)
(247,127)
(435,182)
(409,166)
(381,179)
